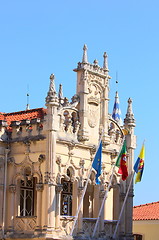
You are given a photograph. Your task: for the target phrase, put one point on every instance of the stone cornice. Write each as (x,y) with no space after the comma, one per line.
(91,68)
(28,138)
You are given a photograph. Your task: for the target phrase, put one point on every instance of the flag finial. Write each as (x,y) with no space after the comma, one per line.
(27,106)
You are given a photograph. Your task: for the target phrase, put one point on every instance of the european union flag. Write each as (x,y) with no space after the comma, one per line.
(97,162)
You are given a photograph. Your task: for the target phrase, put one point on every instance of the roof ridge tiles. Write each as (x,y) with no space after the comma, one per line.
(23,111)
(146,204)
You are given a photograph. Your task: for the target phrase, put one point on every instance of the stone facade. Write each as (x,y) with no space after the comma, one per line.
(45,157)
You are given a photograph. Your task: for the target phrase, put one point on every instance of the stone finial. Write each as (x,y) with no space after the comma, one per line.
(60,93)
(85,58)
(105,62)
(51,95)
(52,84)
(129,119)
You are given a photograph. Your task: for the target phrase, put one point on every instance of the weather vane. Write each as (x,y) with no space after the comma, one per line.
(116,76)
(27,106)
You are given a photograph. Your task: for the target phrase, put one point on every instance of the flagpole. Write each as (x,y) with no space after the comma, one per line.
(106,194)
(83,193)
(80,204)
(122,209)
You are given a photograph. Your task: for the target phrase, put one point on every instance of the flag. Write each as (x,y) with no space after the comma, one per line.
(139,165)
(116,115)
(121,162)
(97,162)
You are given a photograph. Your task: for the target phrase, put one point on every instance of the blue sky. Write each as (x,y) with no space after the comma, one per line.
(38,38)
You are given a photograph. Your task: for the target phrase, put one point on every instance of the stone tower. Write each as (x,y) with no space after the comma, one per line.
(93,89)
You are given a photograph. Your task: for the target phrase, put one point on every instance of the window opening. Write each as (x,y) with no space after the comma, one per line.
(66,197)
(27,197)
(137,237)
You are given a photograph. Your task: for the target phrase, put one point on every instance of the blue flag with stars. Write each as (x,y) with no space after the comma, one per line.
(97,162)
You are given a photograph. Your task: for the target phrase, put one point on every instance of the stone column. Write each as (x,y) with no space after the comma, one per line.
(80,215)
(6,151)
(59,188)
(116,207)
(75,198)
(12,190)
(83,133)
(101,224)
(52,103)
(104,113)
(1,209)
(39,189)
(1,188)
(129,124)
(96,201)
(121,228)
(45,204)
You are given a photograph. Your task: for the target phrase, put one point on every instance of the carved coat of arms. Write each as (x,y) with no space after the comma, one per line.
(92,115)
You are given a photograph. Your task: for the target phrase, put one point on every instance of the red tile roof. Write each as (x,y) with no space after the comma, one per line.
(149,211)
(23,115)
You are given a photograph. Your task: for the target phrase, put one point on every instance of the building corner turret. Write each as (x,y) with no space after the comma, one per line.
(52,103)
(129,125)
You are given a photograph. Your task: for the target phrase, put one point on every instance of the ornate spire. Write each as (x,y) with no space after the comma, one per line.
(116,111)
(85,58)
(130,120)
(51,95)
(60,94)
(105,62)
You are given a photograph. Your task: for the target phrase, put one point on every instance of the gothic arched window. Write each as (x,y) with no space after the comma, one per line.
(27,189)
(66,196)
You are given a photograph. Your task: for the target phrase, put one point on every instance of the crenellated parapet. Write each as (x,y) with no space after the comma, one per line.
(31,129)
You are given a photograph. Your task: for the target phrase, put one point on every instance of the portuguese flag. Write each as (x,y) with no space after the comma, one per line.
(121,162)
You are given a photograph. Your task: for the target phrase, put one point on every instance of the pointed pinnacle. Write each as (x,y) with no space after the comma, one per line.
(85,58)
(130,120)
(60,93)
(105,62)
(51,95)
(52,84)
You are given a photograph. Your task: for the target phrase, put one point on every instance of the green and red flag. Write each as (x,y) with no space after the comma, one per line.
(121,162)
